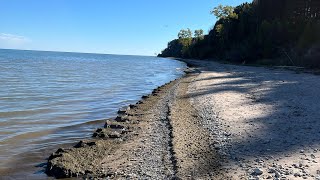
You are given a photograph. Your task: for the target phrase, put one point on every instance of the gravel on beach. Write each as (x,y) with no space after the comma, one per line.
(219,121)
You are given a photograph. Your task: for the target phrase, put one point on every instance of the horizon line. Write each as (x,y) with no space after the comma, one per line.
(75,52)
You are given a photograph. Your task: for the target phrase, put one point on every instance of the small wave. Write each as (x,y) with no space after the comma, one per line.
(19,113)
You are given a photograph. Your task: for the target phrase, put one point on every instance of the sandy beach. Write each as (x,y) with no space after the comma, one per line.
(218,122)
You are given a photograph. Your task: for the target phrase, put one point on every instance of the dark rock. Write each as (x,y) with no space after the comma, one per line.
(271,170)
(58,153)
(139,102)
(132,106)
(118,118)
(121,118)
(61,150)
(144,97)
(57,171)
(95,134)
(123,110)
(113,125)
(99,130)
(81,144)
(256,172)
(99,133)
(54,155)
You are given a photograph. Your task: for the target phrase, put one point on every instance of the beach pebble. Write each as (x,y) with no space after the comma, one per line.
(297,174)
(287,172)
(114,135)
(300,164)
(271,170)
(256,172)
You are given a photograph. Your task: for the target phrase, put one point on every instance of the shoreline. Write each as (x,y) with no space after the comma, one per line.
(114,135)
(219,121)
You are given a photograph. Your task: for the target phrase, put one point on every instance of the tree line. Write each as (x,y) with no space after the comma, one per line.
(271,32)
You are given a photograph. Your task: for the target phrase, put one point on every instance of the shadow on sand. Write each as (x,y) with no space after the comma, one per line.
(292,121)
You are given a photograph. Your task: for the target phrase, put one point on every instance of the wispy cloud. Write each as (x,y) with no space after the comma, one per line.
(12,40)
(12,37)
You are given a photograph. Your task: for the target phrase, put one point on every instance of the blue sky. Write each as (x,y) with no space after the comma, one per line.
(136,27)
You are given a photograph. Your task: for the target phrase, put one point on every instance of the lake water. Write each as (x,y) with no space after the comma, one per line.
(52,99)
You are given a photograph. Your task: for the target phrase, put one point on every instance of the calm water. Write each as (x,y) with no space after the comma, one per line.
(49,99)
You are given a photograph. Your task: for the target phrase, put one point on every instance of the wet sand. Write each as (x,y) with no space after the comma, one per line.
(218,122)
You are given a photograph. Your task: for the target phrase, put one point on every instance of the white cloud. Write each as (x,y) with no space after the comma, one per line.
(12,40)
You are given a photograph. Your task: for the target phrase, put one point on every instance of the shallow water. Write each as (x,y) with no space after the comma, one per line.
(52,99)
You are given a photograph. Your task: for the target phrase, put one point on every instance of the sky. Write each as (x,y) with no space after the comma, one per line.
(133,27)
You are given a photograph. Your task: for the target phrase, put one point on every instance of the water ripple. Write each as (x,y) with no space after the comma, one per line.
(49,99)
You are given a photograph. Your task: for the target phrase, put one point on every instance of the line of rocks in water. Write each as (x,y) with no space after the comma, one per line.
(115,131)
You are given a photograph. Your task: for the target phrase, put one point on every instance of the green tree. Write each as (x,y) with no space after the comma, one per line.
(198,34)
(270,30)
(185,38)
(185,33)
(222,12)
